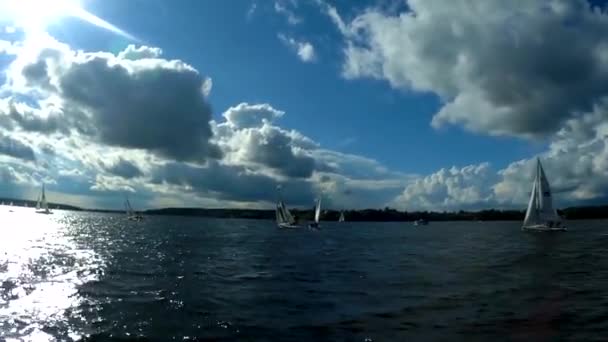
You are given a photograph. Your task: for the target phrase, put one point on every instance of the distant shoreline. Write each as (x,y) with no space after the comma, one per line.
(364,215)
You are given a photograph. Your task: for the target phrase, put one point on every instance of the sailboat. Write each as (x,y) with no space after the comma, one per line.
(541,216)
(131,215)
(341,219)
(284,218)
(42,207)
(315,224)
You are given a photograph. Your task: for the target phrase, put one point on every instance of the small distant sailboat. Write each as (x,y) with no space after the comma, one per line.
(421,222)
(341,218)
(42,207)
(541,216)
(315,224)
(131,215)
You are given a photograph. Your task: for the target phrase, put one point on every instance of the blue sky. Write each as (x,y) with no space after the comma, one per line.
(434,120)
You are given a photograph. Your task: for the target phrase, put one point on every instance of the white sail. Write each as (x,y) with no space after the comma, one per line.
(288,217)
(43,204)
(341,219)
(547,212)
(318,211)
(279,214)
(540,211)
(532,217)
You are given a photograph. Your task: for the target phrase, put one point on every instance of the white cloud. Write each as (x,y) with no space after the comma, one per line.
(450,189)
(305,50)
(499,67)
(284,8)
(245,115)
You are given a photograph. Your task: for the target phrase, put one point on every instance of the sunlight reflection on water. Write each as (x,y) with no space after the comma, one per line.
(40,269)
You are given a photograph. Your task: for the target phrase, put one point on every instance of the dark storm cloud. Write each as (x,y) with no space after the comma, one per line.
(150,103)
(15,148)
(125,169)
(233,183)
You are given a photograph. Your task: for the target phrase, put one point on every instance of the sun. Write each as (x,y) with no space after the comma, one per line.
(38,14)
(33,16)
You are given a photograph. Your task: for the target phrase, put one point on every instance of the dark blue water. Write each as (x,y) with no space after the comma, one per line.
(100,277)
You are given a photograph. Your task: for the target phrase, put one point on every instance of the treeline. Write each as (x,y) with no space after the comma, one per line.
(376,215)
(31,204)
(385,215)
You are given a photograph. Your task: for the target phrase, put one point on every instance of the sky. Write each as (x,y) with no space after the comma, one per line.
(415,105)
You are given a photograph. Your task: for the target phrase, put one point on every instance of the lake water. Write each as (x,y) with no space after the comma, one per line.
(100,277)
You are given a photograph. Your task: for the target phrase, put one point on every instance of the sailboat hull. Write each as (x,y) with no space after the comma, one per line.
(543,228)
(288,226)
(45,212)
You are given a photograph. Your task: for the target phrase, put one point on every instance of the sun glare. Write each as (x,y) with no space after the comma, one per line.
(37,14)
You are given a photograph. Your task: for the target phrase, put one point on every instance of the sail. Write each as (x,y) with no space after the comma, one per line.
(540,207)
(545,201)
(341,219)
(43,203)
(128,208)
(279,214)
(318,211)
(38,203)
(286,214)
(532,217)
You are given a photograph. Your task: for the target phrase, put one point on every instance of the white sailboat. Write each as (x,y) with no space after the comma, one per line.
(131,215)
(541,216)
(341,219)
(283,216)
(42,207)
(317,218)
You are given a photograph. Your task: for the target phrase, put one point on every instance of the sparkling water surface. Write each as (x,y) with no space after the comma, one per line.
(85,276)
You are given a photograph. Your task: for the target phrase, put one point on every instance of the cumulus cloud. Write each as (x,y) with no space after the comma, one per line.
(449,189)
(134,99)
(101,124)
(259,155)
(305,50)
(576,162)
(245,115)
(499,67)
(249,137)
